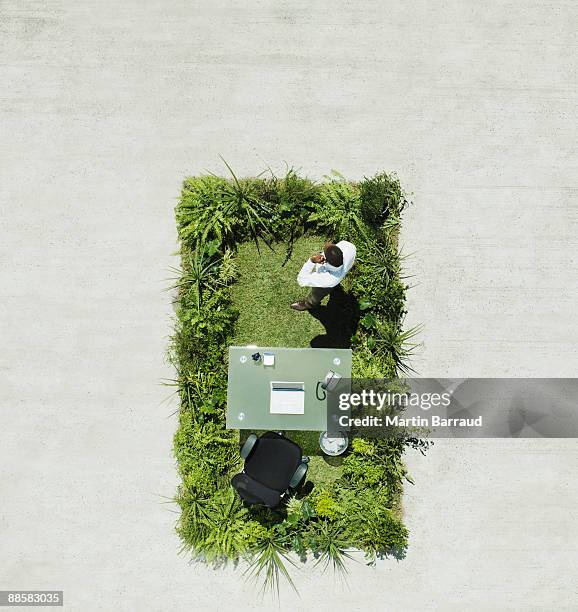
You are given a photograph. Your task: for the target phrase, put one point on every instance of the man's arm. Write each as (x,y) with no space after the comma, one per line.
(307,277)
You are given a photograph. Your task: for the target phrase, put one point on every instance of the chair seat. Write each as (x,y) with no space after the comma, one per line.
(254,492)
(272,461)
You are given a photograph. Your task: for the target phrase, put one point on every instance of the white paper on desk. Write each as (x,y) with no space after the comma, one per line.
(287,398)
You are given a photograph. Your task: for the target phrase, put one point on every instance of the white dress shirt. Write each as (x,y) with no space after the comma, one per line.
(325,275)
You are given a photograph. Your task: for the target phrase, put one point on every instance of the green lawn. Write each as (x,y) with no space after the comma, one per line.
(266,288)
(263,293)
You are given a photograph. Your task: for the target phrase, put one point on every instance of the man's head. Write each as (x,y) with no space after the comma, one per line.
(333,254)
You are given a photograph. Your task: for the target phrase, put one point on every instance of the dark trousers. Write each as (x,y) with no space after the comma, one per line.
(316,295)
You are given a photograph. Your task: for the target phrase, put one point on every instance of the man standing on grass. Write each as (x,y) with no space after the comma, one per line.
(324,271)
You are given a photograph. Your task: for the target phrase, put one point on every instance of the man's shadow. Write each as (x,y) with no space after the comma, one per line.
(339,318)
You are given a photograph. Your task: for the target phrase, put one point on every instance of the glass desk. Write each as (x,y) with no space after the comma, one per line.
(255,389)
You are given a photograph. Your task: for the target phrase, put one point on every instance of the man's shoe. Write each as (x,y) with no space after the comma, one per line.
(301,305)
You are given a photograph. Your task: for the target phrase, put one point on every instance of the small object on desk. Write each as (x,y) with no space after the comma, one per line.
(331,380)
(268,359)
(287,398)
(256,356)
(249,387)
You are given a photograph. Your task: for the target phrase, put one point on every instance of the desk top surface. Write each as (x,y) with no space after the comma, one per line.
(249,385)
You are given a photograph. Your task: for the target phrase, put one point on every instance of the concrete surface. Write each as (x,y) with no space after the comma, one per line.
(105,106)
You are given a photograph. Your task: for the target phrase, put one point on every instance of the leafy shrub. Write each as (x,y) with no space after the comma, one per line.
(377,462)
(212,208)
(338,211)
(379,196)
(372,524)
(292,199)
(203,213)
(207,451)
(228,269)
(361,471)
(366,365)
(299,511)
(204,393)
(201,335)
(230,532)
(326,505)
(362,447)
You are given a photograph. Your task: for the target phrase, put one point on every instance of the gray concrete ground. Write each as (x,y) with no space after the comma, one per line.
(105,106)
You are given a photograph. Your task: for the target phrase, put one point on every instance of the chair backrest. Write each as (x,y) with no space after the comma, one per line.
(273,461)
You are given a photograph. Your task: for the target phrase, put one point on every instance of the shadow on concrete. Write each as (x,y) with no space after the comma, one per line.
(339,318)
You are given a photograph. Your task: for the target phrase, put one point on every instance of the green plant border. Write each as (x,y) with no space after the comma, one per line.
(362,508)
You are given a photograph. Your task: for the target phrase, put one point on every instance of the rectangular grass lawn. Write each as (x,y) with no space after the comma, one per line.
(243,242)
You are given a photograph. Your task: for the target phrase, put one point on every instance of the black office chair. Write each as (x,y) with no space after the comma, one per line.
(273,466)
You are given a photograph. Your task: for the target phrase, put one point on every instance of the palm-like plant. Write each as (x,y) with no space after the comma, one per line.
(269,562)
(244,204)
(293,199)
(193,512)
(200,273)
(390,341)
(331,545)
(381,261)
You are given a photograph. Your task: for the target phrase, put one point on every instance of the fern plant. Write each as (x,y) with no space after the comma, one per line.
(204,213)
(226,534)
(338,210)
